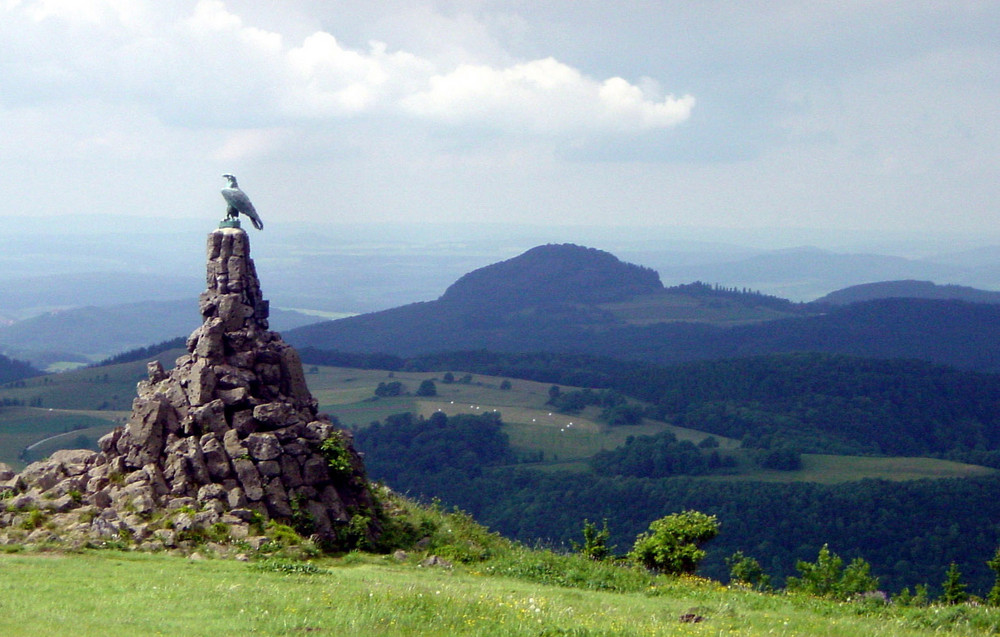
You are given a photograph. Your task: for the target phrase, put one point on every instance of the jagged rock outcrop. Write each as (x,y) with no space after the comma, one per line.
(227,440)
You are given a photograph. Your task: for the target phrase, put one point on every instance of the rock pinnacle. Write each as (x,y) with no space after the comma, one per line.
(230,437)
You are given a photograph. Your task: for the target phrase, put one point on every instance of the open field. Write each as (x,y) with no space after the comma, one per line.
(103,388)
(70,400)
(834,469)
(668,307)
(23,427)
(110,593)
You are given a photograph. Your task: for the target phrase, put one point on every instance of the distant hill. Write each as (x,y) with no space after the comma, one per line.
(807,273)
(956,333)
(90,333)
(563,273)
(554,297)
(908,288)
(533,303)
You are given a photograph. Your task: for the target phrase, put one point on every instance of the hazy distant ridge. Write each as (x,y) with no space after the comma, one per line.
(908,289)
(530,304)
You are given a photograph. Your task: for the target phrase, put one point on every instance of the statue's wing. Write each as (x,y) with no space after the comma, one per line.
(239,200)
(254,217)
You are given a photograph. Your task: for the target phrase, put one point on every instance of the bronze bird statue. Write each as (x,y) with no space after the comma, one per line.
(238,202)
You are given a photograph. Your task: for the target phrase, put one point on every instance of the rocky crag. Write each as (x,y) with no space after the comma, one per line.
(214,449)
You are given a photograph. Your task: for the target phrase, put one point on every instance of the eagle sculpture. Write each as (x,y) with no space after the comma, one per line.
(238,202)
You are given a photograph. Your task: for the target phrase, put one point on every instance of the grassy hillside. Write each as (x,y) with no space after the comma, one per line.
(112,593)
(29,433)
(481,584)
(62,411)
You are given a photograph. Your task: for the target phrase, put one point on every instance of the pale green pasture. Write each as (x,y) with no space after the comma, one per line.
(666,307)
(24,426)
(833,469)
(110,594)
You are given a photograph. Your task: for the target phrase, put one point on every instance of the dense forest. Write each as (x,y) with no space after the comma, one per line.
(909,531)
(12,369)
(830,404)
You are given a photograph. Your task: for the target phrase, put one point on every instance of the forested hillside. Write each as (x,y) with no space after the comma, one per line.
(12,369)
(908,531)
(956,333)
(818,403)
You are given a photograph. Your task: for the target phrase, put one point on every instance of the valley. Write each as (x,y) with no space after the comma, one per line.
(563,440)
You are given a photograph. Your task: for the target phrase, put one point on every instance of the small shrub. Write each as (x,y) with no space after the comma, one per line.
(257,523)
(281,535)
(673,543)
(595,543)
(302,521)
(919,597)
(573,571)
(34,519)
(218,532)
(827,577)
(747,571)
(338,456)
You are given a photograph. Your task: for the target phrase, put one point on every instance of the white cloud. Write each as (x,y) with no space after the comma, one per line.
(206,66)
(543,96)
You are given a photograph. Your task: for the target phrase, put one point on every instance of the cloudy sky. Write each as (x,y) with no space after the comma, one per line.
(834,116)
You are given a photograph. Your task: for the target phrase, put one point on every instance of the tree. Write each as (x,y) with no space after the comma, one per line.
(781,459)
(393,388)
(427,388)
(595,543)
(827,577)
(623,415)
(993,597)
(953,587)
(506,385)
(919,597)
(673,543)
(448,378)
(744,569)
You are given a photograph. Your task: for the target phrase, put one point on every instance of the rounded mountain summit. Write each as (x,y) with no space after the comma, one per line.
(554,273)
(517,304)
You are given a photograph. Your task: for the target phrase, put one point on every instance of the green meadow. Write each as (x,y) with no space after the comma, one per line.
(110,593)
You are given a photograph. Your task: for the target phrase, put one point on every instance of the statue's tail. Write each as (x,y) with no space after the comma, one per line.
(257,223)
